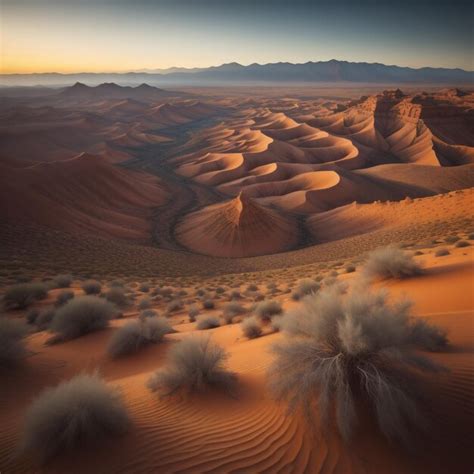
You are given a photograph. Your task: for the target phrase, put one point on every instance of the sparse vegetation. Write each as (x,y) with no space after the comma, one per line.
(137,334)
(462,243)
(82,315)
(22,295)
(81,410)
(304,287)
(193,313)
(174,305)
(91,287)
(194,365)
(208,304)
(43,321)
(391,262)
(207,322)
(12,347)
(441,252)
(343,345)
(117,296)
(64,297)
(251,327)
(265,310)
(62,281)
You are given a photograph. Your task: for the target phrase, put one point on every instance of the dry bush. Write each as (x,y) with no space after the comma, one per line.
(12,347)
(91,287)
(441,252)
(251,327)
(265,310)
(234,309)
(391,262)
(462,243)
(148,313)
(31,316)
(304,287)
(64,297)
(207,322)
(194,365)
(137,334)
(78,411)
(451,239)
(350,268)
(235,295)
(82,315)
(43,321)
(208,304)
(343,346)
(144,288)
(174,305)
(144,303)
(117,296)
(62,281)
(22,295)
(193,313)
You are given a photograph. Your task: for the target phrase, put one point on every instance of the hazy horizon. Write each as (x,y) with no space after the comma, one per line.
(115,36)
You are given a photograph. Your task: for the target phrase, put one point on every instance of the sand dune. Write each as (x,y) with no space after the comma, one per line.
(237,228)
(82,194)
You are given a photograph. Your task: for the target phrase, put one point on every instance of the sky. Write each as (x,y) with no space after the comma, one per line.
(124,35)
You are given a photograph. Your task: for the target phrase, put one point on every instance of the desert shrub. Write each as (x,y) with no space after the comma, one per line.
(144,288)
(235,295)
(82,315)
(174,305)
(43,321)
(441,252)
(148,313)
(144,303)
(252,287)
(277,323)
(426,336)
(207,322)
(251,327)
(91,287)
(304,287)
(134,335)
(343,345)
(81,410)
(257,296)
(12,347)
(234,309)
(117,296)
(350,268)
(208,304)
(265,310)
(22,295)
(194,365)
(62,281)
(116,284)
(64,297)
(333,274)
(462,243)
(271,286)
(471,236)
(220,290)
(418,253)
(391,262)
(193,313)
(451,239)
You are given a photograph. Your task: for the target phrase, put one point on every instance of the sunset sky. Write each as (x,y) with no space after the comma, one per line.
(120,35)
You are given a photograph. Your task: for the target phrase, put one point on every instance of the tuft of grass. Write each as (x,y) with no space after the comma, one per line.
(144,303)
(22,295)
(137,334)
(12,347)
(251,327)
(441,252)
(43,321)
(304,287)
(265,310)
(340,346)
(462,243)
(194,365)
(174,305)
(62,281)
(391,262)
(193,313)
(208,304)
(207,322)
(350,268)
(64,297)
(117,296)
(78,411)
(81,316)
(91,287)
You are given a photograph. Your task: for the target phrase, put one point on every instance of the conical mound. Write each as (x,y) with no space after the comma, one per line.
(237,228)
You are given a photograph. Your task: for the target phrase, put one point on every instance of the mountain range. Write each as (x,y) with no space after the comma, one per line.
(332,71)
